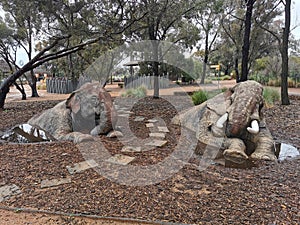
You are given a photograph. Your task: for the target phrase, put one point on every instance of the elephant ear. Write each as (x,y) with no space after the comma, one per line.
(220,103)
(73,102)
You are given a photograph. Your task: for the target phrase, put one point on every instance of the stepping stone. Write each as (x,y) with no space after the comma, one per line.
(152,121)
(79,167)
(131,149)
(55,182)
(120,159)
(158,135)
(139,119)
(157,143)
(149,125)
(163,129)
(115,134)
(123,115)
(8,191)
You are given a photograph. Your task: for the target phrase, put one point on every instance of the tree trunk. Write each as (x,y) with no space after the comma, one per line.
(32,85)
(246,41)
(22,90)
(205,59)
(155,69)
(284,55)
(203,73)
(236,68)
(3,92)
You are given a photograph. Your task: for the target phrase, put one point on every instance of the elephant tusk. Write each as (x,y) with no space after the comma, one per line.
(254,129)
(222,120)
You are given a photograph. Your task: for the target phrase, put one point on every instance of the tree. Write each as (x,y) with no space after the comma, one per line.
(102,30)
(209,21)
(284,54)
(246,41)
(24,18)
(164,20)
(8,52)
(282,37)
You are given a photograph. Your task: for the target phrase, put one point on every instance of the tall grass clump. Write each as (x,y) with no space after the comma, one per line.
(271,95)
(199,97)
(139,92)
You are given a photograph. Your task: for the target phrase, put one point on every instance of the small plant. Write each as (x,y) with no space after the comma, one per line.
(270,95)
(199,97)
(139,92)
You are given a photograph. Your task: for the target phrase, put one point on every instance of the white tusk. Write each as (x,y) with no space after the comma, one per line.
(222,120)
(254,129)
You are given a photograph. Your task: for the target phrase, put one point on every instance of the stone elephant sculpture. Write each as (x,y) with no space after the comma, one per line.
(86,113)
(232,123)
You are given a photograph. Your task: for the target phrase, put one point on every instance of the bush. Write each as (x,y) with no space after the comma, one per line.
(139,92)
(270,96)
(199,97)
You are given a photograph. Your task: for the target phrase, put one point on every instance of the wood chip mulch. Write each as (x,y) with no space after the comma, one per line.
(267,194)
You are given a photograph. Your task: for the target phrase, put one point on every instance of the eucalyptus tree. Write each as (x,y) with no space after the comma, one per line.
(105,25)
(8,52)
(282,36)
(164,20)
(260,42)
(208,21)
(24,17)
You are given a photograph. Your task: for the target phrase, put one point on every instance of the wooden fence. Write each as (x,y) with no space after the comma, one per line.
(147,81)
(63,85)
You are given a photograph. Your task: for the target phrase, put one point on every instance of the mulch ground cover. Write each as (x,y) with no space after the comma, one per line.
(266,194)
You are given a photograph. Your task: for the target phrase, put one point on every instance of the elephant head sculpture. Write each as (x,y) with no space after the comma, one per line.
(86,113)
(232,122)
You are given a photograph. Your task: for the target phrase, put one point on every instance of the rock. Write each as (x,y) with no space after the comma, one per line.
(163,129)
(139,119)
(82,166)
(157,143)
(55,182)
(120,159)
(158,135)
(152,121)
(8,191)
(149,125)
(131,149)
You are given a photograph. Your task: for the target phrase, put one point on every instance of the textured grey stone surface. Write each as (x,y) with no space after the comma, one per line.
(131,149)
(8,191)
(55,182)
(79,167)
(157,143)
(120,159)
(163,129)
(157,135)
(139,119)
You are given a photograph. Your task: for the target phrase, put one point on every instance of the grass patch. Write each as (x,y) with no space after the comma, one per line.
(201,96)
(270,95)
(139,92)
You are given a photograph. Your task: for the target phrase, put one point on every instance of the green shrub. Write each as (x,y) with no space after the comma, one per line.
(139,92)
(270,96)
(199,97)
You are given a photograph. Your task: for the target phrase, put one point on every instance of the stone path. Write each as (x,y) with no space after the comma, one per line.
(157,139)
